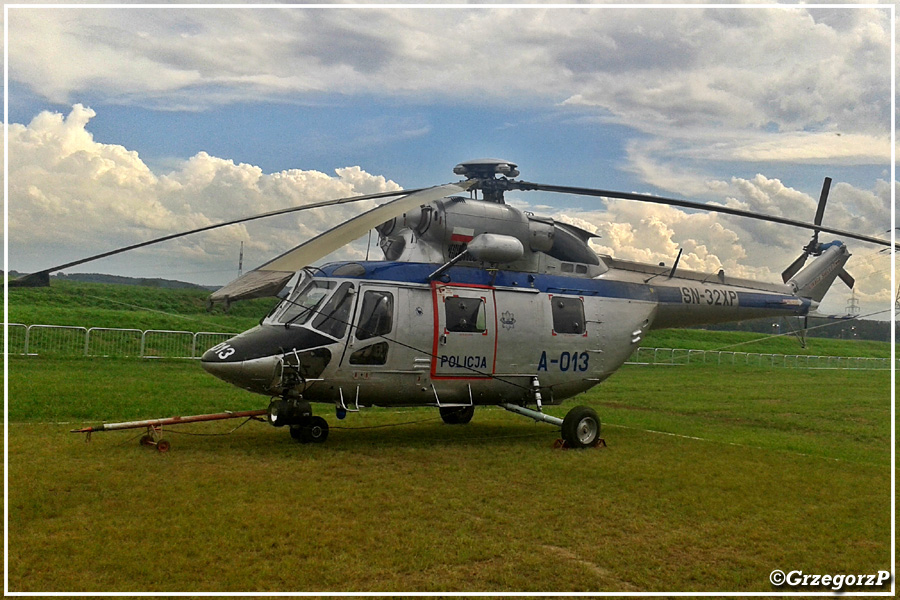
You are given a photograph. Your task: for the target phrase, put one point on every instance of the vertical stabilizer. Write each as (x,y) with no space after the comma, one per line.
(815,280)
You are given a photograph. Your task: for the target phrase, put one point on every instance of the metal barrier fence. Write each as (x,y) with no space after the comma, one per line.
(58,340)
(681,356)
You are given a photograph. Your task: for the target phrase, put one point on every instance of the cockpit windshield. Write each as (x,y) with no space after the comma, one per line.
(304,301)
(315,302)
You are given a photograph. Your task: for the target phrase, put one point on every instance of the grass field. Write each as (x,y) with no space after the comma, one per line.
(712,478)
(128,306)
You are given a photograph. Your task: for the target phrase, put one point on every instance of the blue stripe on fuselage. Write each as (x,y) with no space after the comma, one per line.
(404,272)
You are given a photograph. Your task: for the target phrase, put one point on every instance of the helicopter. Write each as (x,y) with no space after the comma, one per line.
(477,303)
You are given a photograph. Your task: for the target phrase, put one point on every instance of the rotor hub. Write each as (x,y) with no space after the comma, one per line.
(486,168)
(493,176)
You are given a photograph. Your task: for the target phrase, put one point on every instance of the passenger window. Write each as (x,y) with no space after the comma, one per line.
(464,314)
(376,354)
(376,316)
(334,317)
(568,314)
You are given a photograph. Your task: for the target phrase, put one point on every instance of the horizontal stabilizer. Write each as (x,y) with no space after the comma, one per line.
(847,278)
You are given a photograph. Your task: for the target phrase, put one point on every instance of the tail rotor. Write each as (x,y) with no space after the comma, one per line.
(813,248)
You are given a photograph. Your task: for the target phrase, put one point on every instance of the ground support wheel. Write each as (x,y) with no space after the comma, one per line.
(151,438)
(457,415)
(581,427)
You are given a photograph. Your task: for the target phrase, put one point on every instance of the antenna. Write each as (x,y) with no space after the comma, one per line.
(241,260)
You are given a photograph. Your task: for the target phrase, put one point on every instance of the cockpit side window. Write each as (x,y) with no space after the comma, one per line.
(334,316)
(377,315)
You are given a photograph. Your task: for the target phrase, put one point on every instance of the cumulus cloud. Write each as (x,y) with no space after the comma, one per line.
(71,196)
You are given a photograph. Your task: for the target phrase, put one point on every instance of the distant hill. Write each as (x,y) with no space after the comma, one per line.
(171,284)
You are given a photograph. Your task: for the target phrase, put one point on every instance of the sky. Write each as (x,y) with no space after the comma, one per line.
(129,123)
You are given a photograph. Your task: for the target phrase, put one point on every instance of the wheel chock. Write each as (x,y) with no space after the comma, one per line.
(561,444)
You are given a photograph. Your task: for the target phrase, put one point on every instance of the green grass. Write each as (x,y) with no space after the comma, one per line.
(792,471)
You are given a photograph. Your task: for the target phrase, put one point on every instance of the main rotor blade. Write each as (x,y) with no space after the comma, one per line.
(264,215)
(579,191)
(276,273)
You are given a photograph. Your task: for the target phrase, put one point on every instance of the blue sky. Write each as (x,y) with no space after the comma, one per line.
(155,120)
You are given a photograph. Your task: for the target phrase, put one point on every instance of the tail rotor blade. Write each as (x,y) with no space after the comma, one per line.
(794,267)
(823,198)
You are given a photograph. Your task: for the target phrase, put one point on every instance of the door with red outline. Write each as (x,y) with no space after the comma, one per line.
(465,336)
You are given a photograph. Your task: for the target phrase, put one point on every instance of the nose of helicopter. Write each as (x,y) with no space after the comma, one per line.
(253,359)
(261,375)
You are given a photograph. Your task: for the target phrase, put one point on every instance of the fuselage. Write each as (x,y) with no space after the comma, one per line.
(384,333)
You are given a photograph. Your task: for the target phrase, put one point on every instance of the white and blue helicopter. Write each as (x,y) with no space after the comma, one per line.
(477,303)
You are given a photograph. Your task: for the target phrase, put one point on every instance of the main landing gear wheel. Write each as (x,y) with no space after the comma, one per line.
(581,427)
(457,415)
(314,429)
